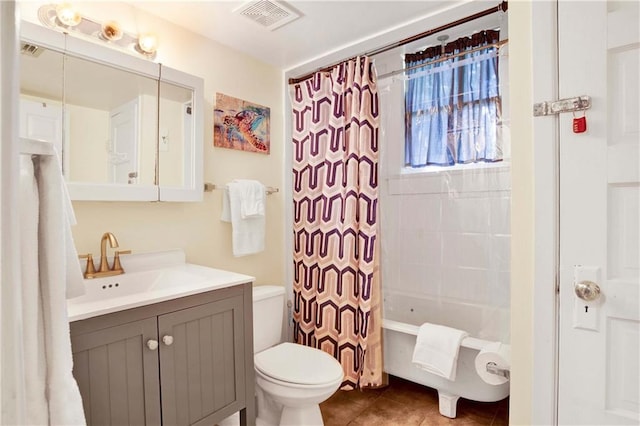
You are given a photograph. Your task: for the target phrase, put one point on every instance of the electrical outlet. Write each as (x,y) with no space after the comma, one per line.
(163,144)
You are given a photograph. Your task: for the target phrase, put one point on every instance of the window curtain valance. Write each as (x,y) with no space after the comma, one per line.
(453,106)
(478,39)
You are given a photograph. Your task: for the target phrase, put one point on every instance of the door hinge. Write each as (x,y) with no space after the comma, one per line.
(579,103)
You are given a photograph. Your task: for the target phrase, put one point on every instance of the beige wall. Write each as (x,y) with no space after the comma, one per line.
(89,134)
(522,213)
(196,227)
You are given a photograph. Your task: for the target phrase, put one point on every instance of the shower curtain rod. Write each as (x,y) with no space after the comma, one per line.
(502,7)
(446,58)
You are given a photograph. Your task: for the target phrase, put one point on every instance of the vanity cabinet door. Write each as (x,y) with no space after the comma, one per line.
(117,374)
(202,362)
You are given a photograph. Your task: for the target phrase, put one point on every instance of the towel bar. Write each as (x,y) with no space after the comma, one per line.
(210,187)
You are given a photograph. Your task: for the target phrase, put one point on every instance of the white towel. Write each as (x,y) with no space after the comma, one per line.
(35,364)
(437,348)
(247,233)
(252,198)
(50,271)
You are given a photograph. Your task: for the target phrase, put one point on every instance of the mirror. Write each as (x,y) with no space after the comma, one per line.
(124,133)
(112,121)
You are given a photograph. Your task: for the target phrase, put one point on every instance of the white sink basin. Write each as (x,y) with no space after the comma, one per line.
(148,285)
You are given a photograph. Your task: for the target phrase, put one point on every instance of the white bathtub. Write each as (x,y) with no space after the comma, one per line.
(403,314)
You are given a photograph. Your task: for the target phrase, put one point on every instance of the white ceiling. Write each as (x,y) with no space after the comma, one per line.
(323,28)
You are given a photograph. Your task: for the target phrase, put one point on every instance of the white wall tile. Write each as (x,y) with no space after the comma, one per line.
(465,284)
(465,215)
(500,253)
(500,215)
(417,278)
(465,250)
(452,245)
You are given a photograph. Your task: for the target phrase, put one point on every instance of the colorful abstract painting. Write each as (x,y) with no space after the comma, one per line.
(242,125)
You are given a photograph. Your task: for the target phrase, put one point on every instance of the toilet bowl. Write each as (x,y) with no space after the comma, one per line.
(292,381)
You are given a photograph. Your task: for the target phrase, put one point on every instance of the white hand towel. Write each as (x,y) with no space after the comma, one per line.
(437,348)
(247,233)
(252,198)
(35,363)
(56,272)
(49,269)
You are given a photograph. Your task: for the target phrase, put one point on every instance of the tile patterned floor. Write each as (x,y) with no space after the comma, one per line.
(406,403)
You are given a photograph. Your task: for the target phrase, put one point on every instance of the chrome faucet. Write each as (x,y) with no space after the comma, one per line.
(104,270)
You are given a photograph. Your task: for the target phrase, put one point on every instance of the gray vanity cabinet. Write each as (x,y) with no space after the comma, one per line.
(198,369)
(117,375)
(187,361)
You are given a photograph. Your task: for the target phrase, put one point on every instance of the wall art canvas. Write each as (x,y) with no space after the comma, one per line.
(241,125)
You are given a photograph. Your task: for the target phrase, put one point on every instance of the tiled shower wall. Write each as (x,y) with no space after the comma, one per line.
(446,235)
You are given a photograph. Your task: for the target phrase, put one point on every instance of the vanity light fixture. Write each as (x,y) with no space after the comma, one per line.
(63,16)
(67,15)
(111,31)
(147,44)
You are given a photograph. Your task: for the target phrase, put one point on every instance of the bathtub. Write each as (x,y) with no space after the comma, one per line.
(404,314)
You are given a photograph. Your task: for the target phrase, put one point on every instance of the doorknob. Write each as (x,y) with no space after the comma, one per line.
(587,290)
(167,340)
(152,344)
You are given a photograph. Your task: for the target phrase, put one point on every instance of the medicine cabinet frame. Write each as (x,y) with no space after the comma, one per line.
(192,162)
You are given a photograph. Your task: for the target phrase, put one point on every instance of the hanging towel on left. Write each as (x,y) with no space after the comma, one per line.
(50,274)
(243,205)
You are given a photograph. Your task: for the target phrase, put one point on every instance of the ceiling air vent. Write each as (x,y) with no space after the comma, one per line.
(270,14)
(31,50)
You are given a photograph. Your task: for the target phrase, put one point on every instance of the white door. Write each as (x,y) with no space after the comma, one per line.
(41,121)
(599,365)
(123,154)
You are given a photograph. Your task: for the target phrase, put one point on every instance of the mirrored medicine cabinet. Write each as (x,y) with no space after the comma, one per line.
(126,128)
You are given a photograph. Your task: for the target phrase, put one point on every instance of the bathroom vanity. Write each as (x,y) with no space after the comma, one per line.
(180,353)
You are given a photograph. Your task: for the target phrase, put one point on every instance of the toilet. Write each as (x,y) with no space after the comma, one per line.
(291,379)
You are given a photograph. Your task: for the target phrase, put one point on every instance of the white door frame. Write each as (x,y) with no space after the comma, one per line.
(544,26)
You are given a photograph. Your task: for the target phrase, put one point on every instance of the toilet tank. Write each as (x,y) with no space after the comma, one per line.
(268,313)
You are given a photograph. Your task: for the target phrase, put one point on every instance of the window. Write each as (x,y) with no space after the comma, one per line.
(452,103)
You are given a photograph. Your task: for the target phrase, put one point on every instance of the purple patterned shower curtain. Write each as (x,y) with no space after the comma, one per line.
(335,198)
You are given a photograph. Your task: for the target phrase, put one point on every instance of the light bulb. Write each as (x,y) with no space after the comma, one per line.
(148,43)
(67,15)
(111,31)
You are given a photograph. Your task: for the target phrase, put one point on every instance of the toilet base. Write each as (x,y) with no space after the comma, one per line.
(309,415)
(272,413)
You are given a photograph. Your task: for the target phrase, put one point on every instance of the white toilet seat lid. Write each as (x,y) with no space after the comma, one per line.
(298,364)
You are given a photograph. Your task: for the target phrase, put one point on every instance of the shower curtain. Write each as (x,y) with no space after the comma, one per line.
(335,199)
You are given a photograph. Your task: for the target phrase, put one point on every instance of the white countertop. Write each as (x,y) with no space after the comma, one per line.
(149,278)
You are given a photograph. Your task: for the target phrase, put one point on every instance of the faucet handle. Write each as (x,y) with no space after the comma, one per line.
(116,260)
(90,267)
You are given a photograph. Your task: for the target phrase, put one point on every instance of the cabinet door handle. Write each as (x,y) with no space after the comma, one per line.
(152,344)
(167,340)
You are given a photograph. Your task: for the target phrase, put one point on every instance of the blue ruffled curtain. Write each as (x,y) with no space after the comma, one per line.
(452,109)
